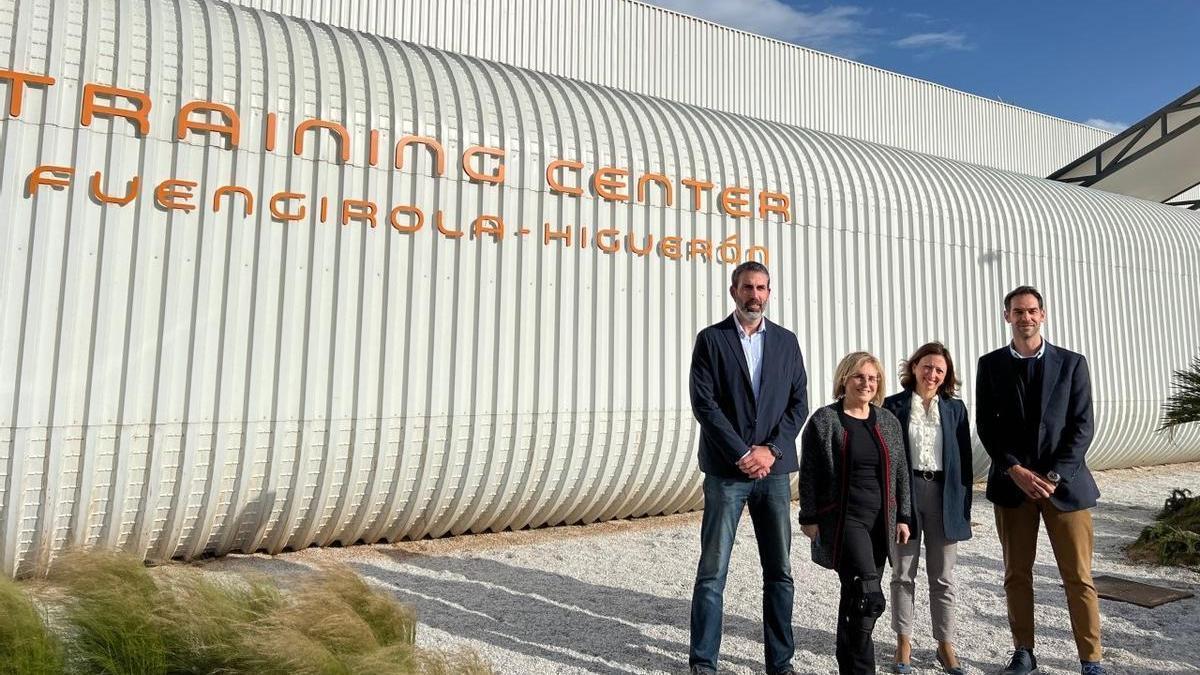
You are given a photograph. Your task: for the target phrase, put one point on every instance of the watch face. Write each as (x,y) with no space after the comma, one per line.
(1053,477)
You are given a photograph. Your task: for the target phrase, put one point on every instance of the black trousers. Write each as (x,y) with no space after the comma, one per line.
(860,569)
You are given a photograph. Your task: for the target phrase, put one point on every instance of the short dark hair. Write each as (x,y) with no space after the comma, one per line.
(1023,290)
(749,266)
(908,378)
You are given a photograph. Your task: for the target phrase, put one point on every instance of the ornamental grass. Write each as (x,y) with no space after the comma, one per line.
(102,612)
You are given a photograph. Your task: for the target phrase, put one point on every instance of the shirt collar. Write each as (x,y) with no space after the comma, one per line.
(762,326)
(1017,355)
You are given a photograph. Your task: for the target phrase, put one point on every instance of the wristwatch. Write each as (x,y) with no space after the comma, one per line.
(775,451)
(1053,477)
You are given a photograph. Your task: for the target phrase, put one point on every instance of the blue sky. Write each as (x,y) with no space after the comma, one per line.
(1108,63)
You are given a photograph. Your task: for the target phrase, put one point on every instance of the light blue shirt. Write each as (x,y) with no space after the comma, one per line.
(752,347)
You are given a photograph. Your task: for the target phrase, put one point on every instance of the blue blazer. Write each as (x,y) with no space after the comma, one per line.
(1064,434)
(723,400)
(956,461)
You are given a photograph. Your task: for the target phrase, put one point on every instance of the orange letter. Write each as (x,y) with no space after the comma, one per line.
(496,178)
(232,130)
(373,152)
(732,197)
(140,115)
(669,247)
(639,251)
(657,178)
(44,175)
(232,190)
(269,132)
(558,187)
(496,230)
(700,247)
(780,205)
(18,81)
(608,241)
(438,220)
(548,235)
(342,134)
(607,177)
(281,197)
(764,259)
(697,187)
(412,211)
(169,193)
(99,195)
(358,210)
(439,153)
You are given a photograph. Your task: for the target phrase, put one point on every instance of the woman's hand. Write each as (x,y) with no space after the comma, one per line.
(901,533)
(810,531)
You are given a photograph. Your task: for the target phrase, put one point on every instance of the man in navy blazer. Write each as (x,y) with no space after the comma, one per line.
(749,393)
(1034,416)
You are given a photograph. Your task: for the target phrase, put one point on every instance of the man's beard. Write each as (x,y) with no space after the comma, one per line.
(752,315)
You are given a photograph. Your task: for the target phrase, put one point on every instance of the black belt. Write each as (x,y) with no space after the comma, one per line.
(937,476)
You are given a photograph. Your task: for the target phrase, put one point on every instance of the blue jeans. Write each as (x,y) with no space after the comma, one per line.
(769,500)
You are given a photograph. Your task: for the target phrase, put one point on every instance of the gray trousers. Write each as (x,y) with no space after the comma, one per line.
(939,566)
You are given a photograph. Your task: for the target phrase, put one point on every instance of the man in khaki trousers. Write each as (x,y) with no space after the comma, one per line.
(1034,415)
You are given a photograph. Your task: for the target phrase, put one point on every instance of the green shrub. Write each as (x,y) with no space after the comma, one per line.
(1175,538)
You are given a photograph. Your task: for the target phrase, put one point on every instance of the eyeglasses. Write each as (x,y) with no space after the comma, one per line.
(859,377)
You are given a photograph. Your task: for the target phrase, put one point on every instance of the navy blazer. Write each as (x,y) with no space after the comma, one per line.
(1064,435)
(956,460)
(723,400)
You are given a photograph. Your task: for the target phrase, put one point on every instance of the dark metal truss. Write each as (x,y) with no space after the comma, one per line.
(1142,138)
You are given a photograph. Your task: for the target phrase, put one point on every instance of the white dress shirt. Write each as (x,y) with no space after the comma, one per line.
(925,435)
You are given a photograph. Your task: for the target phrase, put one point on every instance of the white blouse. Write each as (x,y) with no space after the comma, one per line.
(925,435)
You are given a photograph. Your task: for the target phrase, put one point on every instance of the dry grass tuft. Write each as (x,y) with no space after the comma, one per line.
(114,615)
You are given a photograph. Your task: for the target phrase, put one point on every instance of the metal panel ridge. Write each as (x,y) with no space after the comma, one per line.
(269,284)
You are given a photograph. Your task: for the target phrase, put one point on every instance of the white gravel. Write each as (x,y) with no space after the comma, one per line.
(614,597)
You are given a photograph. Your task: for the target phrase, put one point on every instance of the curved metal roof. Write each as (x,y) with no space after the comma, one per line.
(175,383)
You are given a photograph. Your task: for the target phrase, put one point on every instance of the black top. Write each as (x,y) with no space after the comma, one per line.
(863,459)
(1029,375)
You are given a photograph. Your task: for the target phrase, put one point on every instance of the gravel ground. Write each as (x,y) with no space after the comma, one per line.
(614,597)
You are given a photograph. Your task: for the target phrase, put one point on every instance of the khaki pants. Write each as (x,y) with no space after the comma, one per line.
(1071,538)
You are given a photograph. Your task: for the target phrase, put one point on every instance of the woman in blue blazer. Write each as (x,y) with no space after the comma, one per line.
(937,436)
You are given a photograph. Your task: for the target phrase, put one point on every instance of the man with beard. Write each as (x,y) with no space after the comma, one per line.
(1034,417)
(748,391)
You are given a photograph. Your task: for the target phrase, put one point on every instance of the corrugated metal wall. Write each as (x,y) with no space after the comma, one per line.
(649,50)
(175,382)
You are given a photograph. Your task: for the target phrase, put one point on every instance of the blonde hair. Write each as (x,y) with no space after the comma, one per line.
(850,365)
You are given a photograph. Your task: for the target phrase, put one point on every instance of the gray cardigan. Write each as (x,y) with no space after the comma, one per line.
(823,478)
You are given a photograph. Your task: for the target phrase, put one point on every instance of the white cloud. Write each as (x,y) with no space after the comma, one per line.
(944,40)
(837,29)
(1115,127)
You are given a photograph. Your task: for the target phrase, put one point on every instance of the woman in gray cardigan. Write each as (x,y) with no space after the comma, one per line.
(854,500)
(938,440)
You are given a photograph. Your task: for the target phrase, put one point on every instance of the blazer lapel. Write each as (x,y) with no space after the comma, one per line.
(949,459)
(904,412)
(1050,371)
(735,344)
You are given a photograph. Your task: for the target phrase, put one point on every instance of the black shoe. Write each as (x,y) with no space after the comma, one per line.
(700,670)
(1022,663)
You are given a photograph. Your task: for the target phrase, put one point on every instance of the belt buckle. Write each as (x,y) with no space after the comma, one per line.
(927,475)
